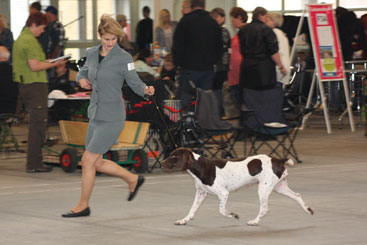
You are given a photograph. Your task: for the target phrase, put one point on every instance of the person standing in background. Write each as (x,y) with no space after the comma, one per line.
(164,31)
(259,48)
(29,69)
(347,26)
(8,88)
(186,7)
(274,21)
(35,7)
(238,20)
(144,30)
(364,36)
(124,42)
(197,47)
(56,33)
(222,66)
(6,36)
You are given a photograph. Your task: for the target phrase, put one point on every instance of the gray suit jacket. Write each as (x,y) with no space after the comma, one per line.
(107,77)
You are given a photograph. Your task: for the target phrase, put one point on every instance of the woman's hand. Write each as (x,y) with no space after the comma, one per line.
(283,71)
(149,90)
(84,83)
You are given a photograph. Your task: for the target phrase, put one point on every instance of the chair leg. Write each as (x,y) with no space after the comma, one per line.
(148,146)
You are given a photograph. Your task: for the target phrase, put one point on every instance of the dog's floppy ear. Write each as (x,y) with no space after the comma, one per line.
(186,159)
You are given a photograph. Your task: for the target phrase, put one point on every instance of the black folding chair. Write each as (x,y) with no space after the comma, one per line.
(264,124)
(219,136)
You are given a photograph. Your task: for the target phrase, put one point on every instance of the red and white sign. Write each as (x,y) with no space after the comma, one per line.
(325,42)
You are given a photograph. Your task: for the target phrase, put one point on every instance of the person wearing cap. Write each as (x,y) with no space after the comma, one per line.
(56,33)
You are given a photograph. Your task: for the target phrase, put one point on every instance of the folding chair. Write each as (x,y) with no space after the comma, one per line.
(264,124)
(219,136)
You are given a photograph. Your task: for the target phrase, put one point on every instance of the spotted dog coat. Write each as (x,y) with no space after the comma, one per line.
(220,177)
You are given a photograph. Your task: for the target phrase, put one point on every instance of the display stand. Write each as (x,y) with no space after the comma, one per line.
(328,57)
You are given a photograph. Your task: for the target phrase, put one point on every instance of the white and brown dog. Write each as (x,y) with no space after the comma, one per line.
(220,177)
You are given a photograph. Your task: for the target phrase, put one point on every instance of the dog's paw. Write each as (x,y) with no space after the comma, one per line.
(310,211)
(181,222)
(233,215)
(253,223)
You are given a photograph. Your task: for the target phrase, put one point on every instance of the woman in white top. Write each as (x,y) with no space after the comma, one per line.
(164,31)
(275,20)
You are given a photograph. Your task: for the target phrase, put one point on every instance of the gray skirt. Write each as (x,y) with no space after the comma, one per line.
(102,135)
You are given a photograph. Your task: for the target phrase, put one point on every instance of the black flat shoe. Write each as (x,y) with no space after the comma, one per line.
(141,180)
(43,169)
(72,214)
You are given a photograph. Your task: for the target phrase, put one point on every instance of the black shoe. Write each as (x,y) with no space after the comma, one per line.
(141,180)
(43,169)
(72,214)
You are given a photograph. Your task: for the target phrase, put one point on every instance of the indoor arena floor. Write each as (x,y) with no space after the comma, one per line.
(332,180)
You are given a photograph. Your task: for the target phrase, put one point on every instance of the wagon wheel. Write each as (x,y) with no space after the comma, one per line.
(69,160)
(112,155)
(142,161)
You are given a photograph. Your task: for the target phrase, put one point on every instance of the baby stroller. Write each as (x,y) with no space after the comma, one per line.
(200,128)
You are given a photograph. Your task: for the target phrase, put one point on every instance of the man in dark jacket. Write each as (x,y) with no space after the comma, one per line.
(144,30)
(259,48)
(197,46)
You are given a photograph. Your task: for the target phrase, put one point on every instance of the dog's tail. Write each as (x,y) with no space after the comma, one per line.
(289,162)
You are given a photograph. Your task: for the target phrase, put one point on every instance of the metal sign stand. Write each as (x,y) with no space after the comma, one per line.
(322,91)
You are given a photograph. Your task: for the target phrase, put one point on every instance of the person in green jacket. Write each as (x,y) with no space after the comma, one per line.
(29,69)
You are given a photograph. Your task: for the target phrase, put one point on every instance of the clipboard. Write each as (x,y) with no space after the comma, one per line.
(65,57)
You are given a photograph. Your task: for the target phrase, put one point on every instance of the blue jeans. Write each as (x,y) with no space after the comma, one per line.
(200,79)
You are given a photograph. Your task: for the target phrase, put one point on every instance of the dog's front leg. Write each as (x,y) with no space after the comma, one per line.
(199,198)
(223,197)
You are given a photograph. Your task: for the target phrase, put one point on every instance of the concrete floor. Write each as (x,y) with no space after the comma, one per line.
(332,180)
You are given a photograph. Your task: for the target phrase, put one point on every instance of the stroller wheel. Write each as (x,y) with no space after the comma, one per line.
(69,160)
(142,161)
(112,155)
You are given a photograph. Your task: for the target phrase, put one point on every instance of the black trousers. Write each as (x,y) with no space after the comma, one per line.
(34,97)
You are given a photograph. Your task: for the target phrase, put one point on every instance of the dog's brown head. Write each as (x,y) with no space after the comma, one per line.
(181,158)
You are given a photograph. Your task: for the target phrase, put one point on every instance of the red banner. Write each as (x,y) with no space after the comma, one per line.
(325,42)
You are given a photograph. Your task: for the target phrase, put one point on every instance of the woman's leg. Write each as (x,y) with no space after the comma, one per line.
(109,167)
(89,161)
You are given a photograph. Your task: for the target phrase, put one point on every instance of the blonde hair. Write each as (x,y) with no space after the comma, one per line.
(110,25)
(277,18)
(163,11)
(4,20)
